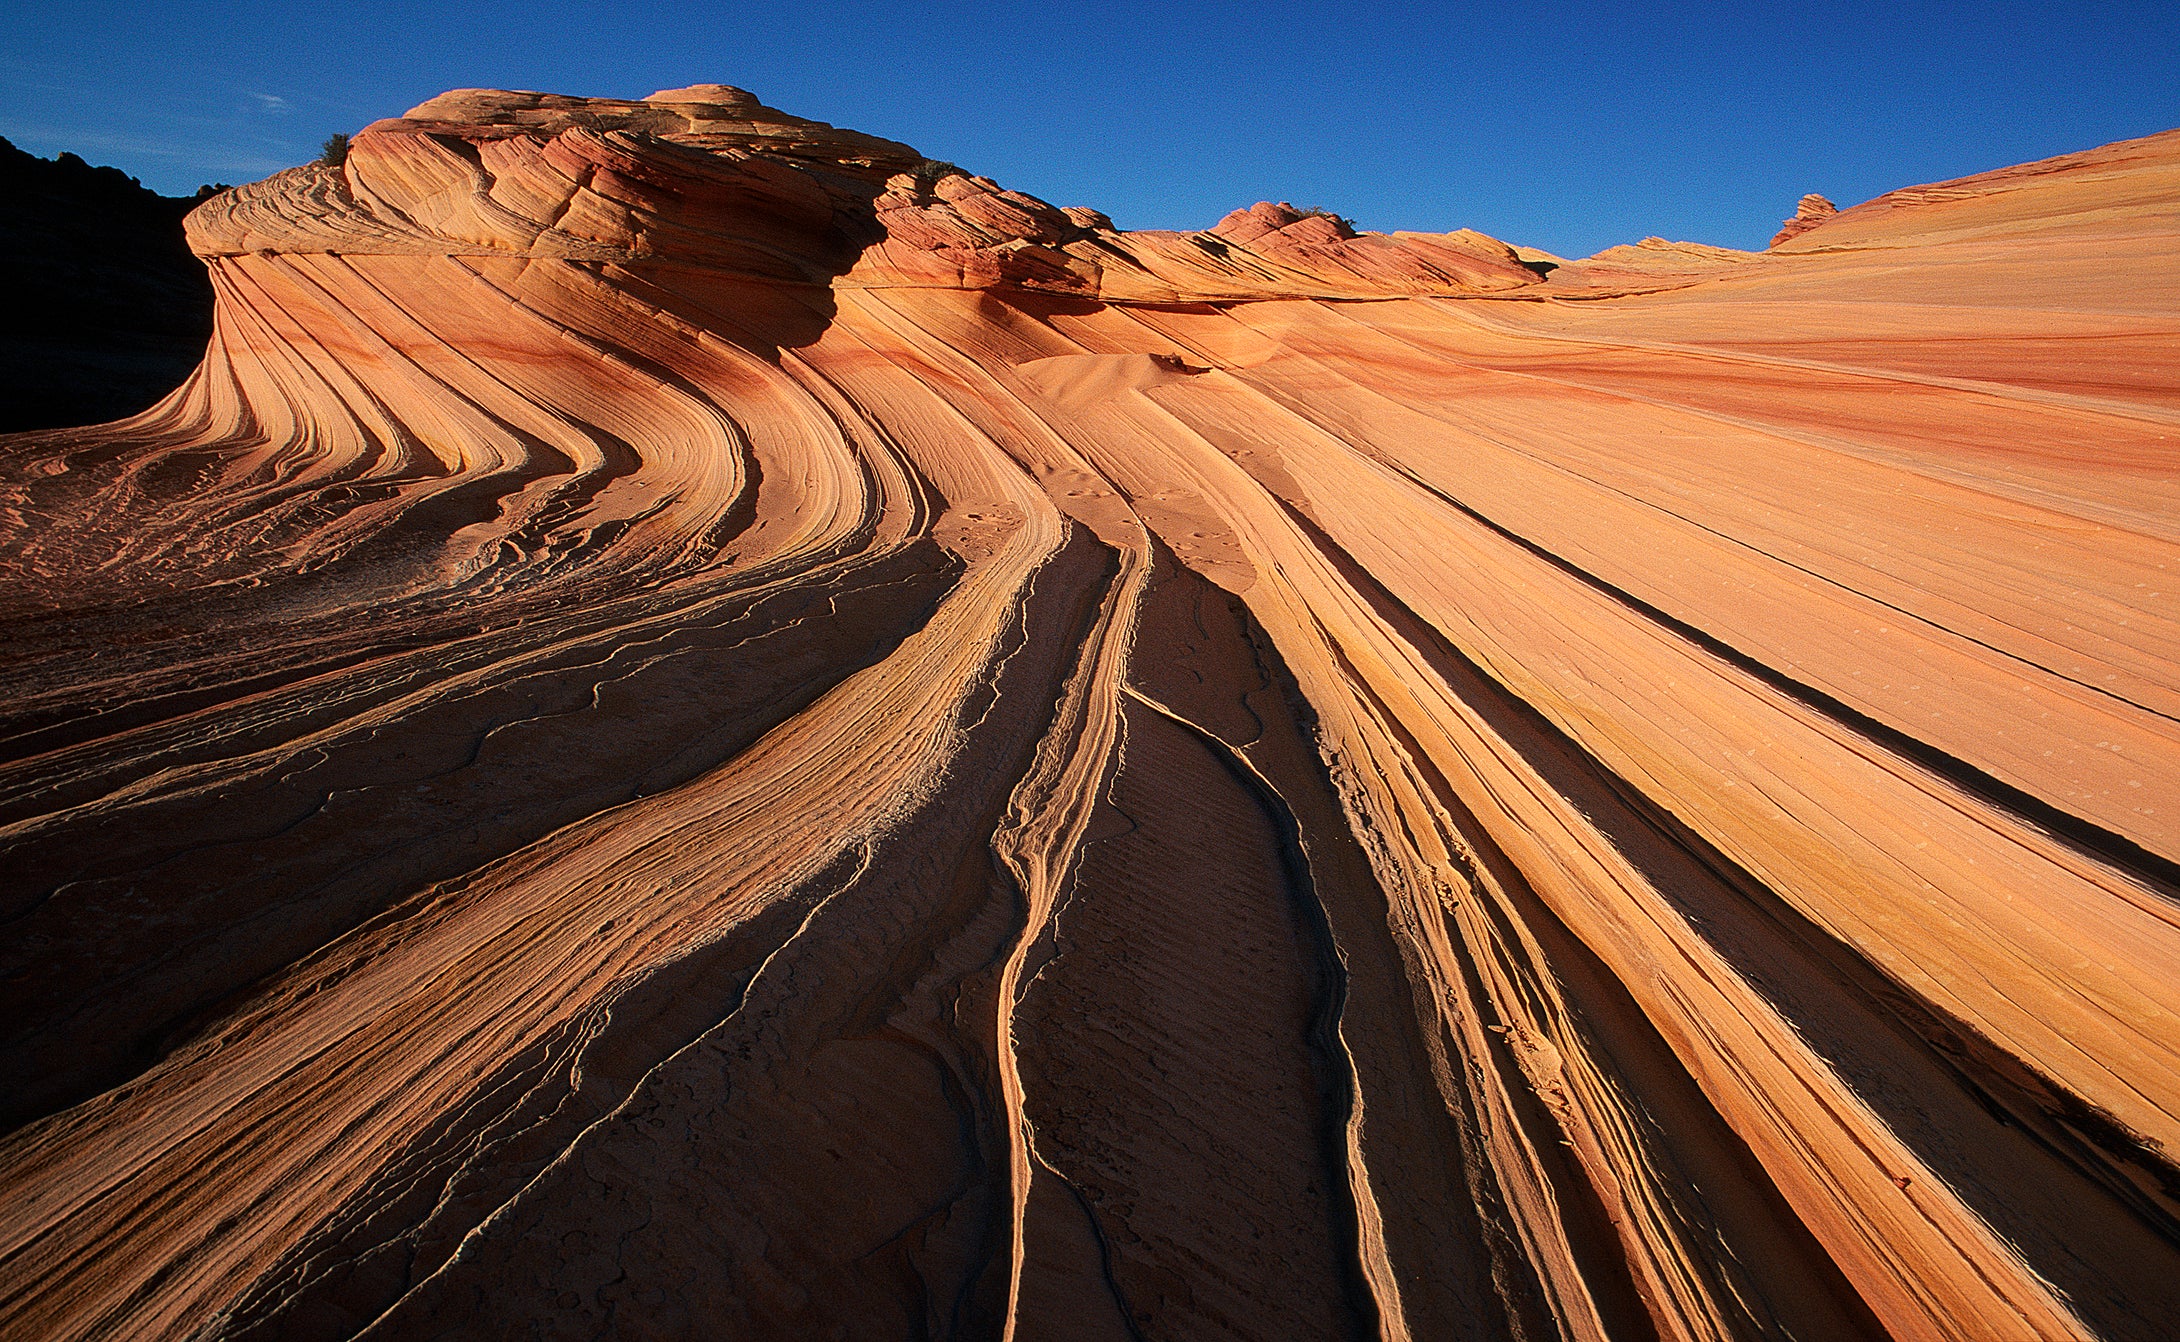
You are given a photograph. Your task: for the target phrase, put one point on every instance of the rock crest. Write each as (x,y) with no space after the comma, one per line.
(1812,211)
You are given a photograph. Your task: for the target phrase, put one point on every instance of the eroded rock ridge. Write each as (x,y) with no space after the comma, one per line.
(698,725)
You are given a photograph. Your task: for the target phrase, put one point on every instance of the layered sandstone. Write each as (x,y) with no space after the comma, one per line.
(1640,267)
(1811,211)
(697,725)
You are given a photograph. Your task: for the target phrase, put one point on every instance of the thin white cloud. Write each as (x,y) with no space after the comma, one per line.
(272,103)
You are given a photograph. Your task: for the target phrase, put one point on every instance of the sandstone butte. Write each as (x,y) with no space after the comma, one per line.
(698,726)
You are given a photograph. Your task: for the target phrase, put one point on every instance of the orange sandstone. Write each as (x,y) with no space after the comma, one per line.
(1813,210)
(698,725)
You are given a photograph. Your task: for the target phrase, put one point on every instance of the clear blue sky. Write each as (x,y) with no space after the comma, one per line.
(1565,126)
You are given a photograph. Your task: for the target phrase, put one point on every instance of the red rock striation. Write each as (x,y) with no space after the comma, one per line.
(696,725)
(1813,210)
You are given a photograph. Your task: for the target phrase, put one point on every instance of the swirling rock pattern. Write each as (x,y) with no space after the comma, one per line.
(699,726)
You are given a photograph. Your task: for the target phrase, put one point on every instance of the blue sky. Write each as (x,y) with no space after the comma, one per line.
(1569,126)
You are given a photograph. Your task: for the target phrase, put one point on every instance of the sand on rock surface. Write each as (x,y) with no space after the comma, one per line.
(699,726)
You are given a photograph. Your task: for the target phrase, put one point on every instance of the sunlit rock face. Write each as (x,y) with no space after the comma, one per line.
(1811,211)
(697,726)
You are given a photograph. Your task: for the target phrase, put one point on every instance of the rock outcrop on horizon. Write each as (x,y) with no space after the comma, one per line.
(698,725)
(1813,210)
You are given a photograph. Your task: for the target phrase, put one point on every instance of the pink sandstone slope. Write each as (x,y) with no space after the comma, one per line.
(699,726)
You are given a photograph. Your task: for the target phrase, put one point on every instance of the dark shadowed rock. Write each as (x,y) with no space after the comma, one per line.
(109,311)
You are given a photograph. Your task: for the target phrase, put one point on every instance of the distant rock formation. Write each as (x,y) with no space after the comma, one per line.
(1649,265)
(107,309)
(710,176)
(1813,210)
(698,725)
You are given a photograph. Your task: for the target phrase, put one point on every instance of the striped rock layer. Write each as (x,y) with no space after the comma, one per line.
(698,726)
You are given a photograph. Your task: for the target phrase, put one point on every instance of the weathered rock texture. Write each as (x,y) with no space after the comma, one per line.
(1813,210)
(698,726)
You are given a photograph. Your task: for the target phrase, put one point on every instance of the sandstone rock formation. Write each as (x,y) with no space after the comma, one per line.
(1640,267)
(696,725)
(1813,210)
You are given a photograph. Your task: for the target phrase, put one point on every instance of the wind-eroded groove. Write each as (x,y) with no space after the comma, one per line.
(1907,1045)
(1036,846)
(478,1157)
(1371,1287)
(884,964)
(335,869)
